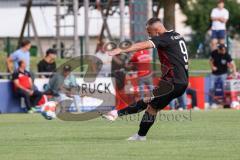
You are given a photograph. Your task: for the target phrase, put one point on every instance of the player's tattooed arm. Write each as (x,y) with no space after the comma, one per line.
(132,48)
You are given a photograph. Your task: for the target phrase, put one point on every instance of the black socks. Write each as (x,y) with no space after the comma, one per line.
(146,123)
(147,119)
(133,108)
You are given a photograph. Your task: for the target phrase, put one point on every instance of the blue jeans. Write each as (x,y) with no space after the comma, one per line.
(182,100)
(146,80)
(213,79)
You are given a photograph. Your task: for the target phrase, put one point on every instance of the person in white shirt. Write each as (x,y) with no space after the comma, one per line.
(219,17)
(106,60)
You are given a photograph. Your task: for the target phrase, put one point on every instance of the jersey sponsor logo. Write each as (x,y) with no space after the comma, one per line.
(176,37)
(223,61)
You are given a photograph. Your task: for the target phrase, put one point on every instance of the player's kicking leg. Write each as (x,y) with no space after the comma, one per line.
(131,109)
(152,106)
(147,119)
(146,122)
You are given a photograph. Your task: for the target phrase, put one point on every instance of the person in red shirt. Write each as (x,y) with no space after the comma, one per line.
(141,61)
(23,86)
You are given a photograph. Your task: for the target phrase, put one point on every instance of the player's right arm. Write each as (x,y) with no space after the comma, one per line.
(135,47)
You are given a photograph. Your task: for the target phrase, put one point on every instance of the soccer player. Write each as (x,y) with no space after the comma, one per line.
(173,54)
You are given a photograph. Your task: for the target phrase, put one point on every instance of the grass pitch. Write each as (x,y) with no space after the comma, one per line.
(208,135)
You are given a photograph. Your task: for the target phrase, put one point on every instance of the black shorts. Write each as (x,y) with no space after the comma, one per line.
(165,93)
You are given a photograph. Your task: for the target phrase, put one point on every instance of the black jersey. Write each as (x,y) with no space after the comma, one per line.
(44,66)
(173,55)
(220,61)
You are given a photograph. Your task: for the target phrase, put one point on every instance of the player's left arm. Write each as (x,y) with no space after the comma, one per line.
(135,47)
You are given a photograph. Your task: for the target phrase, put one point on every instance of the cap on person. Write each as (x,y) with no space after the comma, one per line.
(67,68)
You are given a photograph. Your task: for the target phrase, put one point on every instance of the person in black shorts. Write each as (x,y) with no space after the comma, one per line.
(173,56)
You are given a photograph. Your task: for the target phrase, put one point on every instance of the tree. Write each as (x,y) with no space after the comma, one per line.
(198,17)
(169,13)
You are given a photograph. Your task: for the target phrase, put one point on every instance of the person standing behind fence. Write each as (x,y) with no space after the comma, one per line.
(220,62)
(20,54)
(48,64)
(141,60)
(219,18)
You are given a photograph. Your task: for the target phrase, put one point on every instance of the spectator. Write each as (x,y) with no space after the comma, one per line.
(64,86)
(61,81)
(220,61)
(48,64)
(219,17)
(118,70)
(20,54)
(182,102)
(23,86)
(193,93)
(107,63)
(141,60)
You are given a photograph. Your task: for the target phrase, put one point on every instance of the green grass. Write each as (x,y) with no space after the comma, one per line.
(211,135)
(199,64)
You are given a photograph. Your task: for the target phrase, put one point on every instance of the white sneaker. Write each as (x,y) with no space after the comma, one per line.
(180,109)
(111,116)
(214,106)
(136,137)
(196,109)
